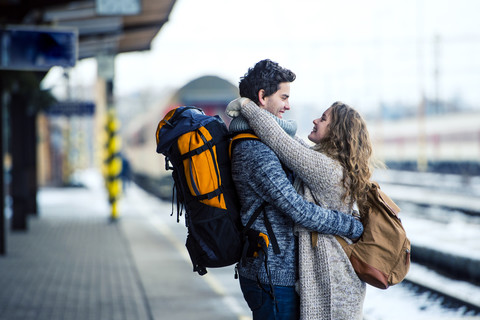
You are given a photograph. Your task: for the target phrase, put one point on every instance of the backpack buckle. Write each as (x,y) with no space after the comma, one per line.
(167,164)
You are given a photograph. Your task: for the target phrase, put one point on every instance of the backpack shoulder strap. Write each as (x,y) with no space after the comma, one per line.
(244,135)
(249,135)
(345,246)
(376,195)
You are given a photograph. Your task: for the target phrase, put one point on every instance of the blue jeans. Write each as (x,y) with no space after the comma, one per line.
(262,304)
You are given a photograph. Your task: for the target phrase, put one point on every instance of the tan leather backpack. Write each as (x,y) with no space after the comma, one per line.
(381,257)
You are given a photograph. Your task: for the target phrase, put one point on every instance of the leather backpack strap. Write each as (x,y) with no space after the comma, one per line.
(314,236)
(342,241)
(346,247)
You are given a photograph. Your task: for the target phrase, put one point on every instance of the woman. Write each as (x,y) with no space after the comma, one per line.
(335,174)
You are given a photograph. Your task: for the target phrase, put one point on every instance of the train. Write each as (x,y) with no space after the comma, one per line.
(210,93)
(444,143)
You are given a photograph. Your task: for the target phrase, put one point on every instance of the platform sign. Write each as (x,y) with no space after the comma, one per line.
(106,66)
(37,48)
(118,7)
(72,108)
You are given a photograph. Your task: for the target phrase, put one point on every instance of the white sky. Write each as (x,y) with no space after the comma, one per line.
(360,52)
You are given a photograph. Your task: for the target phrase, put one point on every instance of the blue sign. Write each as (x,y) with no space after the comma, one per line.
(71,108)
(37,48)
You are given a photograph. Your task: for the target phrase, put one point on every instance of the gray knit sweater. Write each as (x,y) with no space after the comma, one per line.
(258,177)
(329,287)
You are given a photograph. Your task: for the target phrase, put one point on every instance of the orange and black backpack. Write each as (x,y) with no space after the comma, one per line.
(196,147)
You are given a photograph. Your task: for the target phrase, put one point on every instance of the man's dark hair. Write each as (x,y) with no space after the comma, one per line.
(266,75)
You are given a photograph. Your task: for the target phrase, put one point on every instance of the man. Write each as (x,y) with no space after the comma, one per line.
(268,282)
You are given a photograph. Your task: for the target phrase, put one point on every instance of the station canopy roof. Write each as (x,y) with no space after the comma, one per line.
(104,26)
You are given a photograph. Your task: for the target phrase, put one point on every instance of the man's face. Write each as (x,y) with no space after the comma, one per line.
(277,103)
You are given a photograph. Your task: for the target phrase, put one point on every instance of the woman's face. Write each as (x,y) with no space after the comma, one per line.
(320,128)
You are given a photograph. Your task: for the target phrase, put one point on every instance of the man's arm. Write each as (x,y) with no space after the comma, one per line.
(265,176)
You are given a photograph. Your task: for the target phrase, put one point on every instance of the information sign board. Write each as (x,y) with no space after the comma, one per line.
(37,48)
(118,7)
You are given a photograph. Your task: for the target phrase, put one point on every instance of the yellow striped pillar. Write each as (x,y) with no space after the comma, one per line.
(113,163)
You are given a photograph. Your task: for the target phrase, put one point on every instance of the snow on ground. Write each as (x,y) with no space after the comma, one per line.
(400,302)
(458,236)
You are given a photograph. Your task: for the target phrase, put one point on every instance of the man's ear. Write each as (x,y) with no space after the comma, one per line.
(261,98)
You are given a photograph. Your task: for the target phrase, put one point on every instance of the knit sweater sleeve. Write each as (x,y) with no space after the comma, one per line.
(260,169)
(313,167)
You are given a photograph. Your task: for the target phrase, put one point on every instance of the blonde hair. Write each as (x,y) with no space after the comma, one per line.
(348,142)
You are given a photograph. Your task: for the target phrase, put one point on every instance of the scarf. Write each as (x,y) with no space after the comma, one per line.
(241,124)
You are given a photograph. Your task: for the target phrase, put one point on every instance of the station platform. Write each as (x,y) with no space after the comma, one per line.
(74,263)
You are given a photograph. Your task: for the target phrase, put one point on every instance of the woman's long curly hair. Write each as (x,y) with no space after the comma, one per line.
(348,142)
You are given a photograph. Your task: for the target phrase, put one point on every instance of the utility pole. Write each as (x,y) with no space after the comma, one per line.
(422,162)
(436,73)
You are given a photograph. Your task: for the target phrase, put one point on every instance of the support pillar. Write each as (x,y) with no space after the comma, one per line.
(31,162)
(19,182)
(3,236)
(113,161)
(114,164)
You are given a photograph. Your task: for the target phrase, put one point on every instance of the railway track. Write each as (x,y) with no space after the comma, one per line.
(447,191)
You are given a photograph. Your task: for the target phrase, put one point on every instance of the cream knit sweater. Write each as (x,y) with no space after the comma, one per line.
(328,286)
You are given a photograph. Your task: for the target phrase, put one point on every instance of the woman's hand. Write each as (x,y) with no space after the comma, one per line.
(233,108)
